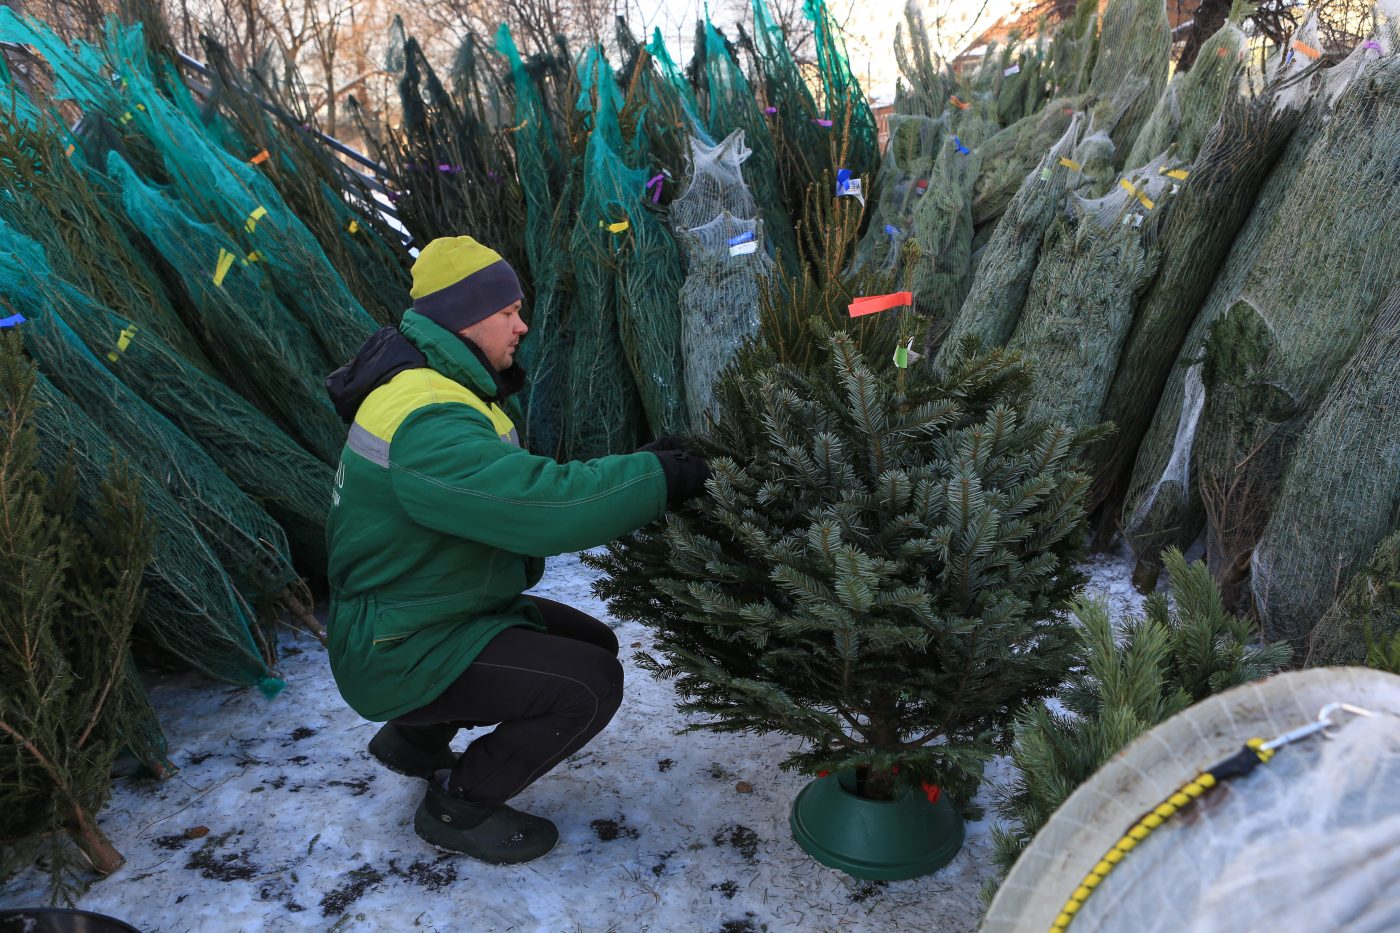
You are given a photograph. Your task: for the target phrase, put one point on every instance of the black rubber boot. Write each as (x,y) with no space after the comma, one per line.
(397,752)
(499,835)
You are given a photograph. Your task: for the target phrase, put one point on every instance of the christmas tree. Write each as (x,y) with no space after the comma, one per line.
(1125,683)
(879,562)
(68,600)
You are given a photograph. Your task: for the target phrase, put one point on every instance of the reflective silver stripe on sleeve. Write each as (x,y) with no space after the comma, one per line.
(368,446)
(512,438)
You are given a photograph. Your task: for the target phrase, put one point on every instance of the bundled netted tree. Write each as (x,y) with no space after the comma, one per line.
(1094,265)
(1363,625)
(1284,336)
(1124,683)
(1215,200)
(1341,493)
(905,174)
(68,600)
(998,290)
(1130,69)
(1162,505)
(1190,105)
(545,187)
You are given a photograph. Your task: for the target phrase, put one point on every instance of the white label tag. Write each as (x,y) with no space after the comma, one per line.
(854,188)
(743,249)
(1013,70)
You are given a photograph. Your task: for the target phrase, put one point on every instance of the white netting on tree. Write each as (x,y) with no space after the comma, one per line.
(716,183)
(913,147)
(1004,270)
(1093,266)
(719,301)
(1312,833)
(1341,494)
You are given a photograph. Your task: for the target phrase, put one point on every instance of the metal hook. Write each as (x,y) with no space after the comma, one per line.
(1321,724)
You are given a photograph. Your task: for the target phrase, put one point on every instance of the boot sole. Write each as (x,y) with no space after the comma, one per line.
(434,826)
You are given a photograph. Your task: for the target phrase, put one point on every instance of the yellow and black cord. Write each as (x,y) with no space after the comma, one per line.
(1254,753)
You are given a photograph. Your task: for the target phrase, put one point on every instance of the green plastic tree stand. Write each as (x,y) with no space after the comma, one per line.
(878,840)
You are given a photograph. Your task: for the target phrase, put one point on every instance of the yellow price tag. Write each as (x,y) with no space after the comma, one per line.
(123,341)
(1180,174)
(1070,164)
(221,269)
(253,218)
(354,226)
(618,227)
(1133,190)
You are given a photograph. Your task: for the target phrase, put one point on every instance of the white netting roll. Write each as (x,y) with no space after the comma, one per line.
(1310,840)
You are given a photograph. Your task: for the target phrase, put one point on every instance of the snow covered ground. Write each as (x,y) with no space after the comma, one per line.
(279,820)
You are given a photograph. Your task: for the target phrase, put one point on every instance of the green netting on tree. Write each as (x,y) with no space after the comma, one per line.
(942,274)
(1215,200)
(192,610)
(914,144)
(1079,305)
(605,413)
(719,302)
(1341,493)
(715,184)
(1276,328)
(1130,69)
(680,86)
(545,352)
(1366,613)
(314,188)
(213,185)
(802,145)
(1016,150)
(62,203)
(246,540)
(452,156)
(270,467)
(998,290)
(655,117)
(733,106)
(846,105)
(260,351)
(1191,104)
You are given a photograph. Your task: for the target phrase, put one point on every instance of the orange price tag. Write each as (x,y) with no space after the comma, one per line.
(873,303)
(960,104)
(1307,50)
(260,158)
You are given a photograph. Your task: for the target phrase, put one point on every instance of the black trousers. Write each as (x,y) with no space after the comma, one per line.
(550,691)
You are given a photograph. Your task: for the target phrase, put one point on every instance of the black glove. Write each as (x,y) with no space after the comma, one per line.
(668,442)
(685,474)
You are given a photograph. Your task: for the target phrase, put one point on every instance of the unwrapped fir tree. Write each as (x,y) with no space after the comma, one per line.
(68,600)
(1126,682)
(878,566)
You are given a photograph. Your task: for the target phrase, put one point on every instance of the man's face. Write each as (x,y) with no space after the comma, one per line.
(498,336)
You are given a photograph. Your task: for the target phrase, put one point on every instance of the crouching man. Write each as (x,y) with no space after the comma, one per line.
(440,521)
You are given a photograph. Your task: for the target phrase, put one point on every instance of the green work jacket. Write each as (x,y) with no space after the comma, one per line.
(440,520)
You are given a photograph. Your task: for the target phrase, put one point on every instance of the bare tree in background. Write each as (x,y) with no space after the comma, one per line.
(533,23)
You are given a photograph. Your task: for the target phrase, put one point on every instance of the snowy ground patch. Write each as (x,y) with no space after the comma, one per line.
(279,820)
